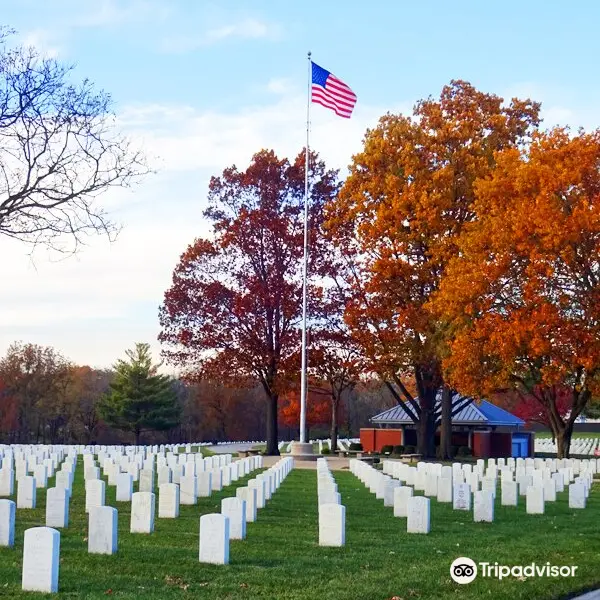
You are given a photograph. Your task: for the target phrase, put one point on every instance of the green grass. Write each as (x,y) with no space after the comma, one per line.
(281,559)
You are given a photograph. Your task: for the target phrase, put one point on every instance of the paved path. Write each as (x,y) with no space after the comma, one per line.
(228,448)
(595,595)
(335,463)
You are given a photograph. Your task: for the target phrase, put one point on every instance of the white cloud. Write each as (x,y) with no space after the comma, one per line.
(280,86)
(43,40)
(93,306)
(245,29)
(108,13)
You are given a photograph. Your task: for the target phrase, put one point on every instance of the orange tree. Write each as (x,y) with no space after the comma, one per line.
(408,195)
(522,297)
(234,307)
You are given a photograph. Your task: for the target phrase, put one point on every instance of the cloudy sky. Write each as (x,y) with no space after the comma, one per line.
(203,85)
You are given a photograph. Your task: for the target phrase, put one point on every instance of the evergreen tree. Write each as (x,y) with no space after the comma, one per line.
(140,399)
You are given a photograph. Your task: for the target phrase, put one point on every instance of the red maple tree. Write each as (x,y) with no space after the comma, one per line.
(234,307)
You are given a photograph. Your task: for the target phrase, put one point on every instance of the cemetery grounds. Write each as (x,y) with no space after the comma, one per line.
(280,558)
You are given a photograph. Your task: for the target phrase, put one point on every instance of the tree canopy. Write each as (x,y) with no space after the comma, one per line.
(234,307)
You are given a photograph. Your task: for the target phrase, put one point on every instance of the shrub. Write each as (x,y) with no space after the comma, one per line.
(398,450)
(464,451)
(356,447)
(387,449)
(326,451)
(409,450)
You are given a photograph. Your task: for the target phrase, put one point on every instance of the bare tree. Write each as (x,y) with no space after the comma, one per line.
(58,151)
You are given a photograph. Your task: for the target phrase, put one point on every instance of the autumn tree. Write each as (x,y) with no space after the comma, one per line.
(522,295)
(335,358)
(409,194)
(35,378)
(318,408)
(58,149)
(87,388)
(526,406)
(233,309)
(139,398)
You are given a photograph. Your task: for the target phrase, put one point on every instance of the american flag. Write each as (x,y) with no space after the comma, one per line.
(331,92)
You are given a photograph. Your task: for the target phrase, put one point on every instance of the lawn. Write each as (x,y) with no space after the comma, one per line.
(281,559)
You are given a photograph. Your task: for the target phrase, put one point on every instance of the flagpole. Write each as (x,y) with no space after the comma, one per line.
(303,379)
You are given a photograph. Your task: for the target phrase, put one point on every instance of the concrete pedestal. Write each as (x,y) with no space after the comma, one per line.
(303,451)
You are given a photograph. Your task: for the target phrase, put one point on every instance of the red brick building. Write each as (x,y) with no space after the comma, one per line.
(488,430)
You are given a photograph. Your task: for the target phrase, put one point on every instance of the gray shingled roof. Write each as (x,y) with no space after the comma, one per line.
(484,413)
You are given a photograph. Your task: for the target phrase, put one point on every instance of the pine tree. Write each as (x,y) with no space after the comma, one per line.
(140,399)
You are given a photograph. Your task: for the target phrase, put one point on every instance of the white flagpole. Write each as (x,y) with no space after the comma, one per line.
(303,379)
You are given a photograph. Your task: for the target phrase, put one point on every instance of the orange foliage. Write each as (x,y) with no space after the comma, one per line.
(318,408)
(523,297)
(408,196)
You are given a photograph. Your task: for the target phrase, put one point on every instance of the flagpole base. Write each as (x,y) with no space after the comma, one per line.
(303,451)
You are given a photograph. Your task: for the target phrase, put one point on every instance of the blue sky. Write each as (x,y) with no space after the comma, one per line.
(202,85)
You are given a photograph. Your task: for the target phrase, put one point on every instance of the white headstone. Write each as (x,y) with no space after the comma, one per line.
(164,475)
(168,501)
(259,485)
(444,491)
(204,484)
(142,512)
(535,500)
(124,487)
(26,492)
(146,480)
(483,506)
(249,495)
(217,480)
(95,493)
(41,476)
(431,485)
(214,539)
(102,530)
(40,560)
(188,490)
(7,522)
(418,520)
(549,490)
(401,496)
(57,507)
(462,497)
(332,525)
(7,482)
(509,495)
(235,509)
(577,497)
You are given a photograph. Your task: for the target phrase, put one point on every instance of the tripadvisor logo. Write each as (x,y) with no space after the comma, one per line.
(465,570)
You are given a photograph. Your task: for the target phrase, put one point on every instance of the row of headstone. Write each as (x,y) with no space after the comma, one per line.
(539,481)
(31,475)
(42,544)
(185,491)
(579,445)
(217,529)
(332,514)
(416,509)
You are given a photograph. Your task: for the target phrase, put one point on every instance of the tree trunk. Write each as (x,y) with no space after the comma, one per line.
(333,434)
(563,441)
(446,425)
(272,435)
(138,435)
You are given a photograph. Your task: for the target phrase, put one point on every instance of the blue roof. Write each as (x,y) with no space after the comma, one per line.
(483,413)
